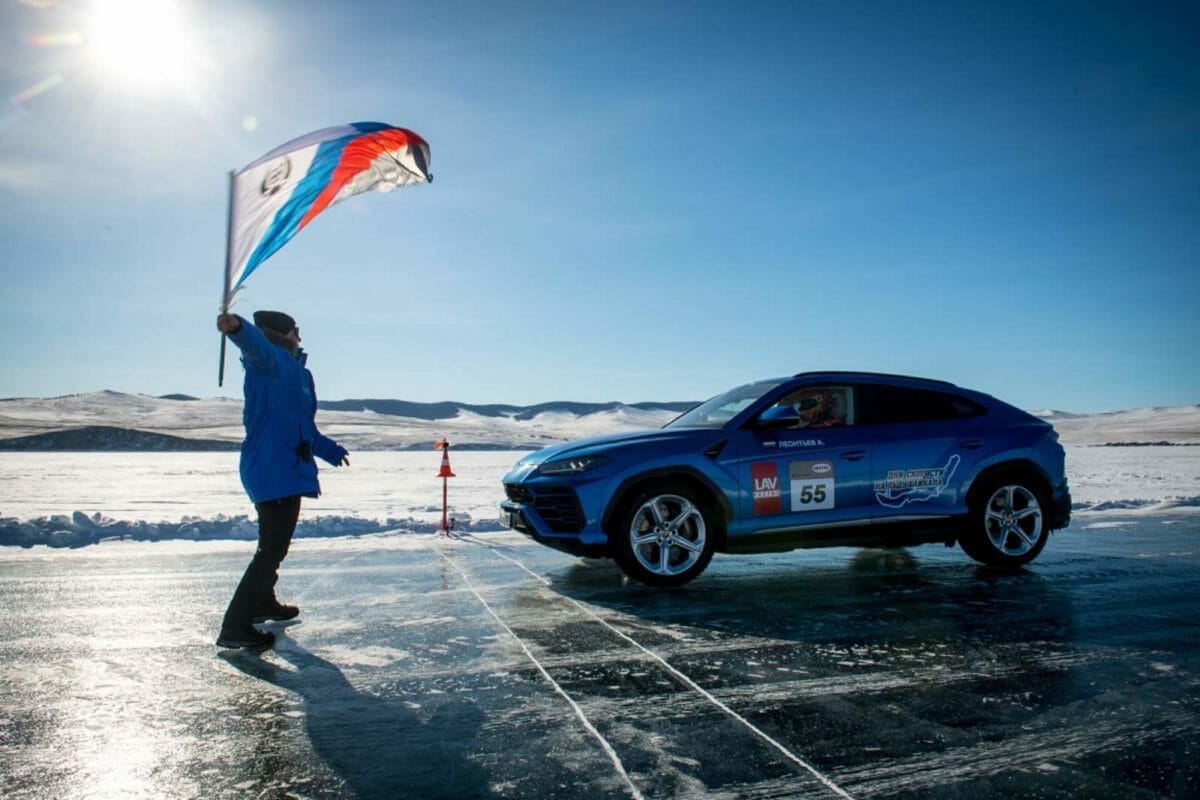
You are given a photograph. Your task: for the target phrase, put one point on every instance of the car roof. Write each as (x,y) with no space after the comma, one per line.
(887,377)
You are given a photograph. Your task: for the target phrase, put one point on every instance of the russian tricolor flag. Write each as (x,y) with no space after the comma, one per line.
(280,193)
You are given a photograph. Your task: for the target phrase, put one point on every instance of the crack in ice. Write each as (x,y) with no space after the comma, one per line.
(788,754)
(608,748)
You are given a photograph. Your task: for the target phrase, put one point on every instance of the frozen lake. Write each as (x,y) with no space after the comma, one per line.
(488,667)
(168,486)
(401,491)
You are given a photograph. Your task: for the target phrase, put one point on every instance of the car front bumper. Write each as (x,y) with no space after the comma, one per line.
(525,519)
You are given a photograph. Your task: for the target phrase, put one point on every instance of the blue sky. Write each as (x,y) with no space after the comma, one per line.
(631,201)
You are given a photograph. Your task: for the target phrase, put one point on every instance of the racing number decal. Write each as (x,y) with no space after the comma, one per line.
(812,485)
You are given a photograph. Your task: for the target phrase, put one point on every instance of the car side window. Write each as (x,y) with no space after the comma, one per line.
(821,406)
(892,405)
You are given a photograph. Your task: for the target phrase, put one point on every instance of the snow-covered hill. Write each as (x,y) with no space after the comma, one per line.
(366,425)
(365,428)
(1173,424)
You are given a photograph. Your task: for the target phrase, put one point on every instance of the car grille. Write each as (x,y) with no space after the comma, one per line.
(557,505)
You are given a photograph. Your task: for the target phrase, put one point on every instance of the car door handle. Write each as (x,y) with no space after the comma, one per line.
(854,455)
(971,444)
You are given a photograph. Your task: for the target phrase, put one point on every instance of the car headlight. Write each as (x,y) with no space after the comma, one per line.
(572,466)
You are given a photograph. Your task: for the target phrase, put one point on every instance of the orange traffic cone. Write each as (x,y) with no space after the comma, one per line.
(444,472)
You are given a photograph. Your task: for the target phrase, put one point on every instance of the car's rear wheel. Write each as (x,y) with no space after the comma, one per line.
(1009,523)
(666,535)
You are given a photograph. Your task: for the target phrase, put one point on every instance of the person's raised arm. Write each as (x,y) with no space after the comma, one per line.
(256,349)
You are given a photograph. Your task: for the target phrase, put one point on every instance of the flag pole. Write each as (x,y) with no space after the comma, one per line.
(225,295)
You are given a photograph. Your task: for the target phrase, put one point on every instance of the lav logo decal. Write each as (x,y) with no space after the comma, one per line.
(812,485)
(904,486)
(768,495)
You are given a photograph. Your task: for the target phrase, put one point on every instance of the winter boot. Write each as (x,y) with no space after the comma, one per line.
(247,638)
(275,611)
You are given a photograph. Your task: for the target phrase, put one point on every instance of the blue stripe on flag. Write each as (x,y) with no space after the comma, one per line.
(287,220)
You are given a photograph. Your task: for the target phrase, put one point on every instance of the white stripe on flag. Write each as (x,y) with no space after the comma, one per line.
(259,192)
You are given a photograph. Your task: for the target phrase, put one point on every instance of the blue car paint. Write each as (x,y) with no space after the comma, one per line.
(885,473)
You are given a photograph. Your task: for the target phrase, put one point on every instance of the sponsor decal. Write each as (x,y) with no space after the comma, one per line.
(768,495)
(904,486)
(811,485)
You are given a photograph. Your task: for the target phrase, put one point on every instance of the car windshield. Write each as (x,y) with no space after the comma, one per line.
(719,410)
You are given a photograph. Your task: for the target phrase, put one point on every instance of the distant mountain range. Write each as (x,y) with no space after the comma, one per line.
(107,438)
(450,409)
(114,421)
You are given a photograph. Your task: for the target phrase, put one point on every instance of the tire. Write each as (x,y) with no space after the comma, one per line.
(1009,522)
(665,535)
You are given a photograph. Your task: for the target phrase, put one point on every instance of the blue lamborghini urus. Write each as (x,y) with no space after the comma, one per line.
(821,459)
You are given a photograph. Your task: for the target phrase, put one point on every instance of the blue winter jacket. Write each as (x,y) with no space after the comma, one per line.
(281,434)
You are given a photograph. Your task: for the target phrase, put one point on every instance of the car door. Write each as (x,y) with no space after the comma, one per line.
(806,474)
(925,446)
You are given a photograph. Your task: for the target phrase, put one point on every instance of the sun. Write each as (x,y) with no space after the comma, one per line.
(141,42)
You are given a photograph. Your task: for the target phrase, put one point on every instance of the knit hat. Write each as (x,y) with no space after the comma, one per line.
(274,320)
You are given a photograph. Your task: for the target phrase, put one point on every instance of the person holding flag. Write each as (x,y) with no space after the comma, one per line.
(277,465)
(270,201)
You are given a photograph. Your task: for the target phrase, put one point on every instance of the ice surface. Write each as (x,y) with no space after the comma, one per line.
(893,674)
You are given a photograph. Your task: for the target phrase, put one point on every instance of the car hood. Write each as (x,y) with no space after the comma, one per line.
(599,444)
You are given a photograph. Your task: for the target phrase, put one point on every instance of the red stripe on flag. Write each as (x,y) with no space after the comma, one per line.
(357,157)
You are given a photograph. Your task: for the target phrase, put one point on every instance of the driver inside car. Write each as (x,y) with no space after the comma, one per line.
(815,407)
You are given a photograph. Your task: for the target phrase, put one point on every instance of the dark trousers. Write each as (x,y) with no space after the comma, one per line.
(276,524)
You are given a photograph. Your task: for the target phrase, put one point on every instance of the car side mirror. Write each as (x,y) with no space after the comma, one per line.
(783,416)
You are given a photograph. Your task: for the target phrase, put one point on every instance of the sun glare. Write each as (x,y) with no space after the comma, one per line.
(140,41)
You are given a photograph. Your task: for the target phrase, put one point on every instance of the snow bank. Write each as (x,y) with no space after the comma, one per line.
(1149,505)
(80,529)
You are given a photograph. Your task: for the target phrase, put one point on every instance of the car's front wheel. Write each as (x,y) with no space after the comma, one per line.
(1009,526)
(666,536)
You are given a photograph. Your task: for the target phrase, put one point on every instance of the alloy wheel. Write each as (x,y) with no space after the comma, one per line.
(1013,520)
(667,535)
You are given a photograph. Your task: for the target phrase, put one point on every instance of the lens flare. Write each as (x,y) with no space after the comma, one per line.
(41,87)
(72,39)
